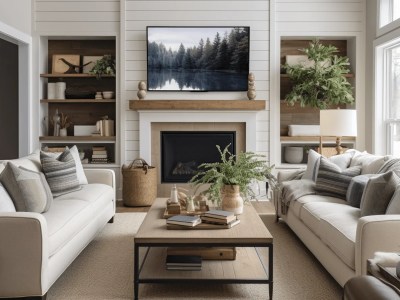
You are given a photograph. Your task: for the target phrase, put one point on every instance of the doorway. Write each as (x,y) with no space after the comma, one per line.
(9,100)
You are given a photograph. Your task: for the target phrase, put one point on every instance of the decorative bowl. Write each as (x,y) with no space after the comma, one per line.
(108,94)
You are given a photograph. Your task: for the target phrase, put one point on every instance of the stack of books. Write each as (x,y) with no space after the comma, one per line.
(183,262)
(181,220)
(99,155)
(225,219)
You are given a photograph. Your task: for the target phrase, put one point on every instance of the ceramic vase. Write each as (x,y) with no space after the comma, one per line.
(63,132)
(294,155)
(231,199)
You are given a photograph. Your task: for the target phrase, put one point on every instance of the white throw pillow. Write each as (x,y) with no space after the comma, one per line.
(6,203)
(312,165)
(79,168)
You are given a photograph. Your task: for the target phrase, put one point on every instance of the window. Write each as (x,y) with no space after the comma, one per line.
(389,11)
(389,86)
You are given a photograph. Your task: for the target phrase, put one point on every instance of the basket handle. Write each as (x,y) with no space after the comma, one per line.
(145,165)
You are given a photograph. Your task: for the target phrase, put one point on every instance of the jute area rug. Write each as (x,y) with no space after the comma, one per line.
(104,270)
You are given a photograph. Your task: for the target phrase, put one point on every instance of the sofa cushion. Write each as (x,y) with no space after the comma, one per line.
(331,180)
(60,172)
(339,232)
(370,163)
(391,165)
(6,203)
(28,189)
(296,206)
(312,165)
(73,211)
(80,173)
(312,212)
(394,204)
(30,162)
(378,193)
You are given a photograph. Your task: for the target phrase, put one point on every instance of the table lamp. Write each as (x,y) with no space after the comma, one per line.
(338,123)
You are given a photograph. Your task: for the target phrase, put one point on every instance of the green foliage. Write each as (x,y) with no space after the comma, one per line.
(104,66)
(322,84)
(238,169)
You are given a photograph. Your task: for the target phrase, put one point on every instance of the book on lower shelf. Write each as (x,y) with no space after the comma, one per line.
(99,155)
(219,214)
(206,253)
(183,262)
(181,220)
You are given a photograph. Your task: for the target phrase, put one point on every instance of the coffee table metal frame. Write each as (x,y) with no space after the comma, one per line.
(151,242)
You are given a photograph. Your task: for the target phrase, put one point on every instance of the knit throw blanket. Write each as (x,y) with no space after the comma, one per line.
(293,190)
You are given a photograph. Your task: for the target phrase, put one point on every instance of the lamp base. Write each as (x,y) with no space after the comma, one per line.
(339,149)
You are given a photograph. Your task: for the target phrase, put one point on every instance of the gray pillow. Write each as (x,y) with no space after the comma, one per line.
(28,189)
(60,172)
(394,204)
(6,203)
(331,180)
(356,190)
(378,193)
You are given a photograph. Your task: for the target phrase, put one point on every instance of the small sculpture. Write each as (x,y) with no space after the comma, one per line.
(251,93)
(56,124)
(142,90)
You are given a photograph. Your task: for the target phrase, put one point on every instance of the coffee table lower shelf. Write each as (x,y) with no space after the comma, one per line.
(250,266)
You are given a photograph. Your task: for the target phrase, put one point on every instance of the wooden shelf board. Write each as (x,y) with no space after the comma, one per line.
(77,101)
(197,105)
(69,139)
(80,75)
(315,139)
(93,166)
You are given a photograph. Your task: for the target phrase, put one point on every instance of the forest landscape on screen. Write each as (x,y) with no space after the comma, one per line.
(197,58)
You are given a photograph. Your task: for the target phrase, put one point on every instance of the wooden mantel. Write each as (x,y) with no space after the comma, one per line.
(197,105)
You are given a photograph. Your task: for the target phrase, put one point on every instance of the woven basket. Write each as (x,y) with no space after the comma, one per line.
(139,183)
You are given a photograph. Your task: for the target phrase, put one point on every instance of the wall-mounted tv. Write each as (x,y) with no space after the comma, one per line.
(197,58)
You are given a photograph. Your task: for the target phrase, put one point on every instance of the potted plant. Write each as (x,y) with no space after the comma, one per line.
(321,82)
(104,66)
(230,178)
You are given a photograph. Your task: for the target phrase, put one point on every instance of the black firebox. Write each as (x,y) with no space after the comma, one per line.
(183,151)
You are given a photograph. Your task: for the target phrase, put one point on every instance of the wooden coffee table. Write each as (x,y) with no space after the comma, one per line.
(251,237)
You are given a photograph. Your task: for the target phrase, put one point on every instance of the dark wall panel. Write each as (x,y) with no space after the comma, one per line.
(8,100)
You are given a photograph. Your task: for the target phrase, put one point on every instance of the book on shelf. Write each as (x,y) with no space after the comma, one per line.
(99,148)
(183,262)
(181,220)
(220,214)
(99,152)
(218,220)
(99,156)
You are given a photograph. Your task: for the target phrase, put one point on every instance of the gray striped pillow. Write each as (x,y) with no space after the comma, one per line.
(60,172)
(332,180)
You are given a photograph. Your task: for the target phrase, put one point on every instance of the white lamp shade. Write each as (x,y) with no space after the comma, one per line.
(338,122)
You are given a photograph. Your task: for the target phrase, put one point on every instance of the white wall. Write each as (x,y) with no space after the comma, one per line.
(323,18)
(17,14)
(140,14)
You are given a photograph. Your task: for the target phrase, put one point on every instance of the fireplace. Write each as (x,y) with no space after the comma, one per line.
(183,151)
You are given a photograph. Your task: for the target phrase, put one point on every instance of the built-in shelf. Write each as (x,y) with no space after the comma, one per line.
(77,101)
(109,165)
(77,139)
(250,105)
(80,75)
(313,139)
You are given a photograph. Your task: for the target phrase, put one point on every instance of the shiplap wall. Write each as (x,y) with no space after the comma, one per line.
(77,16)
(326,19)
(139,14)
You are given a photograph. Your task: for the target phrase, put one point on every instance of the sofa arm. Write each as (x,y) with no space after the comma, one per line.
(285,175)
(23,254)
(104,176)
(375,233)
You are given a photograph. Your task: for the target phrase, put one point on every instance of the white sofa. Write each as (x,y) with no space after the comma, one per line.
(35,249)
(336,233)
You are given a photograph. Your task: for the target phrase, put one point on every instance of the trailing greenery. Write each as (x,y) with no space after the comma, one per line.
(104,66)
(322,84)
(238,170)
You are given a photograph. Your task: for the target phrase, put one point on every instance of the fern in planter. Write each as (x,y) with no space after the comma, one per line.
(323,84)
(233,169)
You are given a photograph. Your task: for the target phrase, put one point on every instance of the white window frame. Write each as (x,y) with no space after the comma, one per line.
(385,22)
(382,140)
